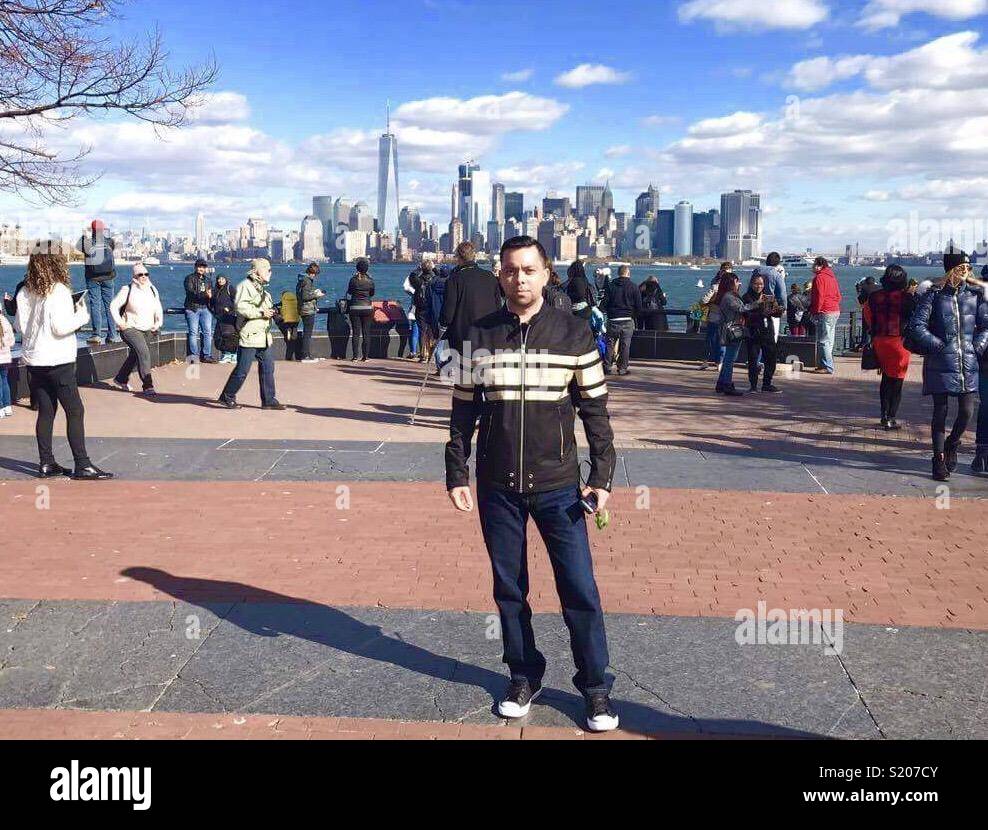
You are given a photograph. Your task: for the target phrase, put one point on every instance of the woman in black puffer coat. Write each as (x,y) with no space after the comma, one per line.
(950,329)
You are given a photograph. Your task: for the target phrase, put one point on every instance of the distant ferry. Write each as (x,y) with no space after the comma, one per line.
(796,261)
(126,263)
(9,259)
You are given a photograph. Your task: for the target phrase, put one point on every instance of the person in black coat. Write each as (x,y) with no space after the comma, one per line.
(950,328)
(654,300)
(578,290)
(471,294)
(224,307)
(624,306)
(760,337)
(555,295)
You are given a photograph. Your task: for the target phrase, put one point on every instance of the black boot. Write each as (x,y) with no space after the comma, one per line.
(53,471)
(91,473)
(940,471)
(732,392)
(980,463)
(950,455)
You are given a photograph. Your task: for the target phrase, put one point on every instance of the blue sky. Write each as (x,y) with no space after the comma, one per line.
(847,116)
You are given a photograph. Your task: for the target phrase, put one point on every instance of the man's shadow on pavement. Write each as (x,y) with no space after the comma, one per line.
(269,614)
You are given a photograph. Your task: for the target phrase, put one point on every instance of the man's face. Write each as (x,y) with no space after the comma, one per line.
(200,270)
(523,276)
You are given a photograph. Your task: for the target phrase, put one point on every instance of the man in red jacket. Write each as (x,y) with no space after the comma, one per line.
(825,307)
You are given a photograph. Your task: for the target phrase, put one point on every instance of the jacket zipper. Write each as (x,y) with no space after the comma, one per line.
(561,439)
(960,344)
(521,443)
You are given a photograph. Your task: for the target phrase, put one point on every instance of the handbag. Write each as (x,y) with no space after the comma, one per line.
(343,306)
(734,333)
(869,362)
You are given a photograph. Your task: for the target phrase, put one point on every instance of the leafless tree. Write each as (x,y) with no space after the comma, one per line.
(57,62)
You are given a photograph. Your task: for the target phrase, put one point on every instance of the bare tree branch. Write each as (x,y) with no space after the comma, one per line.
(55,65)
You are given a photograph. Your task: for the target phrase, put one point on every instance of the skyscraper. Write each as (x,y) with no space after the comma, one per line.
(683,230)
(706,234)
(740,225)
(474,203)
(311,238)
(606,207)
(558,206)
(497,203)
(514,206)
(322,209)
(387,176)
(202,245)
(588,198)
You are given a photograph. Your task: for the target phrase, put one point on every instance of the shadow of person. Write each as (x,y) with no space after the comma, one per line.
(269,614)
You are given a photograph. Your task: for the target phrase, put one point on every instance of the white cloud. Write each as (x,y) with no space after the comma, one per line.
(877,196)
(727,126)
(519,76)
(756,14)
(587,74)
(882,14)
(617,151)
(538,178)
(818,73)
(951,63)
(659,120)
(483,115)
(219,108)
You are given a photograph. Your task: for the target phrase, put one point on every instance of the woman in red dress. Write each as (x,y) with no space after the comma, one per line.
(887,313)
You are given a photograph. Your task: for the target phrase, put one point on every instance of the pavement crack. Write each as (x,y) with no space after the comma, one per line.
(854,686)
(658,697)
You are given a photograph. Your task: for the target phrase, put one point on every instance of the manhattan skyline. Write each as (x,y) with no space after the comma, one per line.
(846,115)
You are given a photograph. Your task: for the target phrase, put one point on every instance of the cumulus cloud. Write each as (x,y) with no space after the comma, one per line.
(519,76)
(587,74)
(727,126)
(483,115)
(219,108)
(818,73)
(617,151)
(659,120)
(756,14)
(882,14)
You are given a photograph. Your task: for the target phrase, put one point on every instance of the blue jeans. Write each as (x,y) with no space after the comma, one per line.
(413,341)
(826,332)
(265,371)
(100,296)
(715,351)
(4,387)
(726,376)
(200,320)
(982,437)
(563,526)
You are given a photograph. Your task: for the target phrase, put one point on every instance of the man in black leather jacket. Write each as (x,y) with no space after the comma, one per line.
(530,367)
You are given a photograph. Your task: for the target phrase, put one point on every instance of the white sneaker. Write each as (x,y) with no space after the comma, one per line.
(518,700)
(123,387)
(9,411)
(600,716)
(311,360)
(3,413)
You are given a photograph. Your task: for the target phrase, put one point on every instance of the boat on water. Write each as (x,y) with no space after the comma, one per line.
(10,259)
(791,261)
(751,263)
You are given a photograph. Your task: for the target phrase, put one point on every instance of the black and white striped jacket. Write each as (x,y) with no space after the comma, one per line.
(524,383)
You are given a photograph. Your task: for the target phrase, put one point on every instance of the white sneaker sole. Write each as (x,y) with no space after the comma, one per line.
(602,723)
(509,709)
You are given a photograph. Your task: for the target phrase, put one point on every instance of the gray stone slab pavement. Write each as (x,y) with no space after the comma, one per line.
(672,674)
(162,459)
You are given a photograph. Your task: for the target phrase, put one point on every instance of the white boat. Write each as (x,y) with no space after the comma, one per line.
(10,259)
(796,261)
(751,263)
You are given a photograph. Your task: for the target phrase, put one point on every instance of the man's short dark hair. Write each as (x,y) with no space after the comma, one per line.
(313,268)
(773,259)
(516,243)
(466,252)
(821,262)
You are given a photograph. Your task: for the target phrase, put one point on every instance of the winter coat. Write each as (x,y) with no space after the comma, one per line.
(950,329)
(98,250)
(224,308)
(471,294)
(825,296)
(253,298)
(308,295)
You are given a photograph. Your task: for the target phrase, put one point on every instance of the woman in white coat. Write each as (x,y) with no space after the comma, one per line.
(139,316)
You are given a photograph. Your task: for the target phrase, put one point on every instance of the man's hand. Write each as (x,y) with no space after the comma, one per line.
(268,313)
(602,497)
(462,499)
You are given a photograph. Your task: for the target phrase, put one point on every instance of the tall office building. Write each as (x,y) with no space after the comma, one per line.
(410,226)
(514,206)
(361,218)
(474,199)
(311,239)
(740,225)
(387,176)
(202,243)
(495,236)
(706,234)
(647,204)
(683,230)
(606,207)
(588,198)
(322,209)
(497,203)
(665,224)
(341,211)
(558,206)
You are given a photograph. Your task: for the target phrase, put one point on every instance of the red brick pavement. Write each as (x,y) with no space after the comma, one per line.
(881,560)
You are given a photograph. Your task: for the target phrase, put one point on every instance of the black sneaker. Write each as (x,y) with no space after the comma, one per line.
(601,717)
(279,407)
(940,471)
(518,699)
(980,463)
(768,387)
(229,403)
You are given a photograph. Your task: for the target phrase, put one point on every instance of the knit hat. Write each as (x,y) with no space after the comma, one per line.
(260,268)
(98,225)
(953,257)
